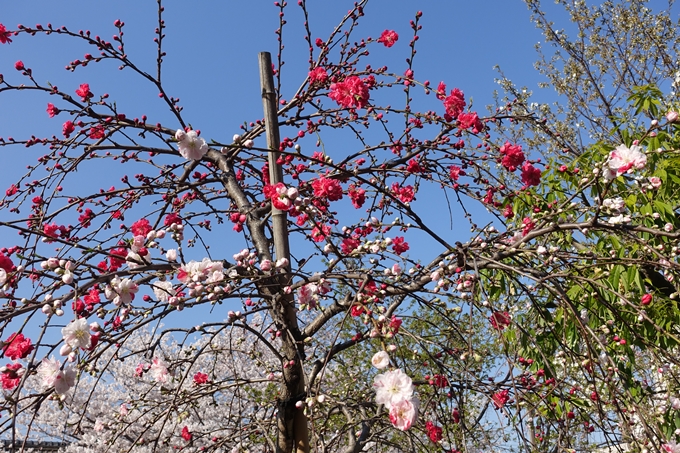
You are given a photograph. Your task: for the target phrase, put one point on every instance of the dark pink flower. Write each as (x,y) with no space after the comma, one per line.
(11,377)
(68,128)
(6,263)
(4,35)
(17,346)
(141,227)
(500,398)
(97,132)
(456,172)
(318,76)
(512,156)
(399,245)
(531,176)
(52,110)
(500,320)
(454,104)
(471,121)
(388,38)
(172,218)
(348,245)
(357,195)
(327,188)
(350,93)
(434,432)
(200,378)
(84,92)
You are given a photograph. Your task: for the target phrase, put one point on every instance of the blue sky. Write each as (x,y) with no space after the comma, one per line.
(211,62)
(212,52)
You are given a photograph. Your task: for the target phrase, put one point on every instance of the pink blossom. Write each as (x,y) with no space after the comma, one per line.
(350,93)
(454,103)
(318,76)
(456,172)
(10,375)
(512,156)
(52,110)
(281,197)
(624,160)
(307,295)
(172,219)
(52,376)
(471,121)
(68,128)
(404,413)
(77,334)
(84,92)
(399,245)
(671,447)
(380,360)
(405,194)
(500,320)
(388,38)
(434,432)
(97,132)
(200,378)
(531,176)
(392,387)
(327,188)
(500,398)
(17,346)
(5,35)
(121,291)
(655,182)
(191,146)
(159,370)
(141,227)
(199,271)
(6,263)
(357,195)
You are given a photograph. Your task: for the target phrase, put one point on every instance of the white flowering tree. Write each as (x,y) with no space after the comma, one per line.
(352,317)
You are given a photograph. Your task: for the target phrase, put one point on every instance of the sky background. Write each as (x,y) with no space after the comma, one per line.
(212,53)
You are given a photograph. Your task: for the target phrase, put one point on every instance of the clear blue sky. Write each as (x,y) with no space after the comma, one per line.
(211,62)
(212,52)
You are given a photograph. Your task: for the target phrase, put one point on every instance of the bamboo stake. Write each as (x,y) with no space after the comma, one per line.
(300,431)
(271,121)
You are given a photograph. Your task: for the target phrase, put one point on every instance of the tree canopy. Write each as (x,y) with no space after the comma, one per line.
(375,264)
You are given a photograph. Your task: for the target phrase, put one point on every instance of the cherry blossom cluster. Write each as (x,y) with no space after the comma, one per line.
(308,295)
(394,389)
(625,160)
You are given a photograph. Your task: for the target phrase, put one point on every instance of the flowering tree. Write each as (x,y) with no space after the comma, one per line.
(352,318)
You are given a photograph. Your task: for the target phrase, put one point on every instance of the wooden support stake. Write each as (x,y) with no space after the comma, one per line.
(300,433)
